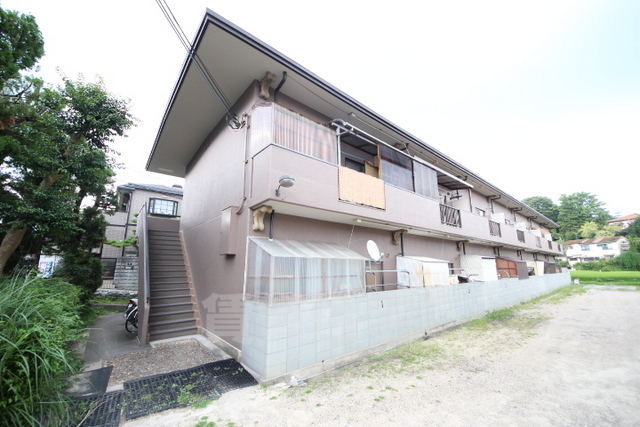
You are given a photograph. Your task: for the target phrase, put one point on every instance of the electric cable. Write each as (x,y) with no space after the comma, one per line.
(232,118)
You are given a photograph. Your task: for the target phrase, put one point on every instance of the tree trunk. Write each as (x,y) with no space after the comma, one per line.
(14,236)
(9,244)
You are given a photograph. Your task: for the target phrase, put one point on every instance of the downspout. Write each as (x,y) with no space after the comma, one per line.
(244,169)
(275,92)
(272,222)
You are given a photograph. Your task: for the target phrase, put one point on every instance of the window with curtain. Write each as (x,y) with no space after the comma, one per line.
(425,180)
(274,124)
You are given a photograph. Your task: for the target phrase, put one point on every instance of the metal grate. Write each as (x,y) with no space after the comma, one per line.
(105,410)
(181,388)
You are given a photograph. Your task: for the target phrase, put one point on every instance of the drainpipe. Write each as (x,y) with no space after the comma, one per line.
(275,92)
(272,220)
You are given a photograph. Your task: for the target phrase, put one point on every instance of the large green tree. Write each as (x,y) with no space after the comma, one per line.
(55,156)
(544,205)
(21,44)
(577,209)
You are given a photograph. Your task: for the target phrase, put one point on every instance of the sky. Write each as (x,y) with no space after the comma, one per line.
(539,98)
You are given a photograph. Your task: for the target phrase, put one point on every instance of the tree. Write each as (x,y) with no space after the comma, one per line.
(592,230)
(544,205)
(21,44)
(54,157)
(576,209)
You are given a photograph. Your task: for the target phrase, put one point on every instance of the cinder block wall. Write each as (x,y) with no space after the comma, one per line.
(126,274)
(309,337)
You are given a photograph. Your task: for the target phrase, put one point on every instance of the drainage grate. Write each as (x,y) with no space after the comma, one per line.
(181,388)
(105,410)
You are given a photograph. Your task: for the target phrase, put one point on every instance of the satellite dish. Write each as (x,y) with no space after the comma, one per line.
(373,250)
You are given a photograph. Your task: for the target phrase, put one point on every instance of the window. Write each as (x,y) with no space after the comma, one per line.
(397,169)
(352,164)
(605,246)
(108,268)
(126,198)
(585,248)
(480,212)
(163,207)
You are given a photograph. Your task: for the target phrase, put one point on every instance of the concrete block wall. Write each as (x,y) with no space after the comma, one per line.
(125,276)
(309,337)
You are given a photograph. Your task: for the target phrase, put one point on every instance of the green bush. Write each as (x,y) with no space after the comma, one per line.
(628,261)
(38,319)
(601,265)
(83,270)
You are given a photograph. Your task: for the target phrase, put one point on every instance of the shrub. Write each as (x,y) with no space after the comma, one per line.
(628,260)
(38,319)
(83,270)
(602,265)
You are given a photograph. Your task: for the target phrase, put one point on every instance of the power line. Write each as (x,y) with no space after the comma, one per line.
(232,118)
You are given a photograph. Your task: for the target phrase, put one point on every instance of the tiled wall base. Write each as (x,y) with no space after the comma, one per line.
(308,337)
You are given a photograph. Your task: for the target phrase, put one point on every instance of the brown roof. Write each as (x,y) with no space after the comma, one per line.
(593,241)
(624,218)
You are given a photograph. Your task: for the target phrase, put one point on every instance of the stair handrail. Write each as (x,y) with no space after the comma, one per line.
(144,287)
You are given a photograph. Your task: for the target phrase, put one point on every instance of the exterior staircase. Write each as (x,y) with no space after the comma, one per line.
(173,310)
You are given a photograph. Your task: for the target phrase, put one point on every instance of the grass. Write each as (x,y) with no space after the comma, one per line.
(38,320)
(620,278)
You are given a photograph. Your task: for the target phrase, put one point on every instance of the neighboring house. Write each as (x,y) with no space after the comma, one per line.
(121,263)
(315,230)
(623,221)
(585,250)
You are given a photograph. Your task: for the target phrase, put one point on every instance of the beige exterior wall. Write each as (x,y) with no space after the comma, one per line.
(226,183)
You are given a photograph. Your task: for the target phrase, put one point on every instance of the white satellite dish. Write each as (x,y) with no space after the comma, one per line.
(373,250)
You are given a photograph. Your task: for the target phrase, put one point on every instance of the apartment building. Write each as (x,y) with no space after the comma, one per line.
(316,231)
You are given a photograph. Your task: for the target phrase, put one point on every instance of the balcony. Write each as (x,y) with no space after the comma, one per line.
(450,216)
(347,178)
(494,229)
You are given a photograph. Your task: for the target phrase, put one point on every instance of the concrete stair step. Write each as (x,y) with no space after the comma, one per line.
(160,286)
(165,325)
(170,292)
(175,315)
(170,307)
(162,300)
(173,333)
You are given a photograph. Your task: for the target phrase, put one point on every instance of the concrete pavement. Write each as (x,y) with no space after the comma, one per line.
(108,338)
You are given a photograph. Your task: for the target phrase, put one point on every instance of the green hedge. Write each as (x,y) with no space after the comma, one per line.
(38,319)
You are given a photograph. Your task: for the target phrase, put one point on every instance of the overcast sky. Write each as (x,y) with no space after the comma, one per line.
(539,98)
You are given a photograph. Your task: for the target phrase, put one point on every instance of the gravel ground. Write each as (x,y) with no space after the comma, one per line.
(570,363)
(164,357)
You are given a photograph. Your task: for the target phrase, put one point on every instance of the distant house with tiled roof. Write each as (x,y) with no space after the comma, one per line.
(585,250)
(121,263)
(623,221)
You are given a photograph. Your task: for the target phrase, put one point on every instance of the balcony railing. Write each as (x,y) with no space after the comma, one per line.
(494,229)
(450,216)
(520,235)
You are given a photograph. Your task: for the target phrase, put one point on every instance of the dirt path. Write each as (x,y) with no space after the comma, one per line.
(573,363)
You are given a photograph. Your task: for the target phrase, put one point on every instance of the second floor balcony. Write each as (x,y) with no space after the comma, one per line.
(340,179)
